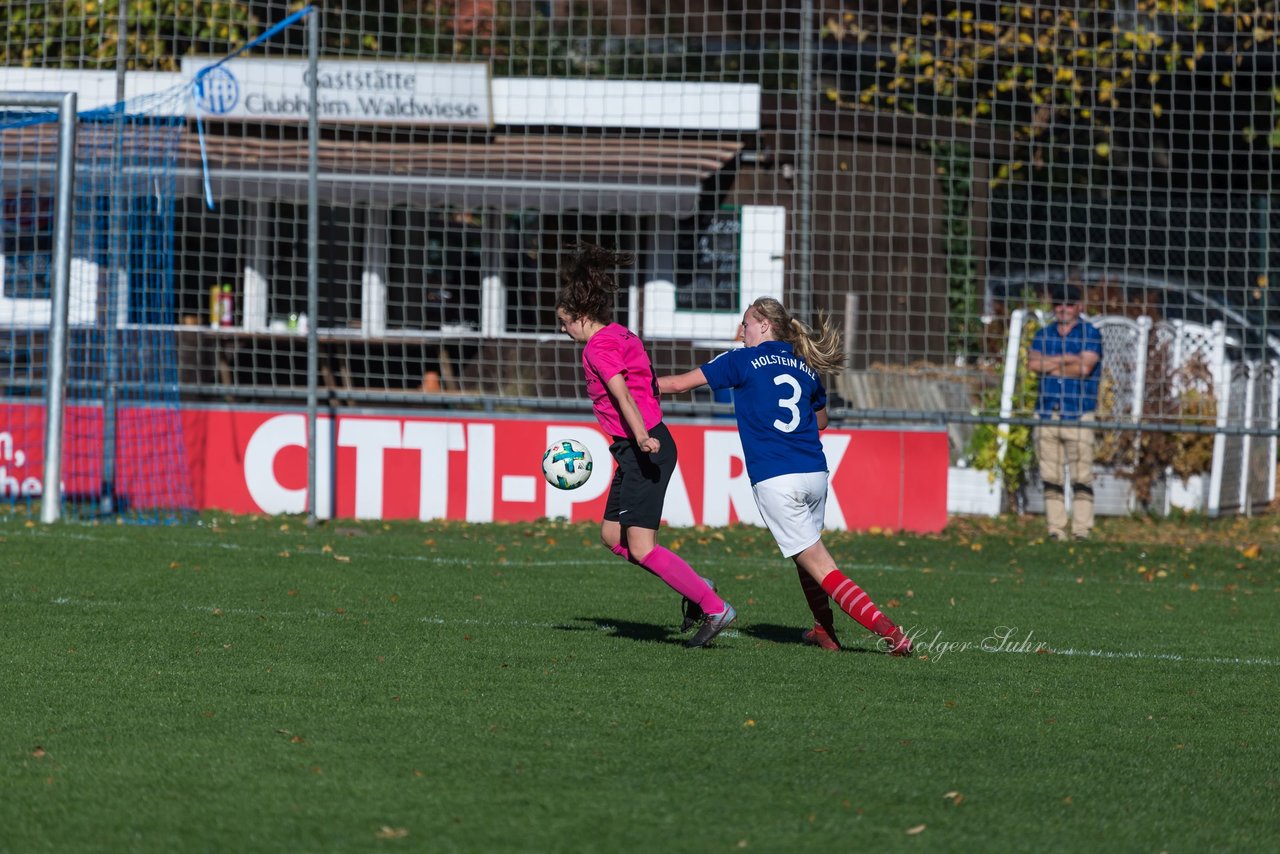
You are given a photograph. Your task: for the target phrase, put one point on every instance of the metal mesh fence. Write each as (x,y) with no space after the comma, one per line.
(916,170)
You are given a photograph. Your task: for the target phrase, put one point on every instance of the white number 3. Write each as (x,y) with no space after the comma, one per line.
(788,403)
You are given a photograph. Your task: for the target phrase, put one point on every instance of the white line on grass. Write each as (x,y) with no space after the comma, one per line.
(735,563)
(1135,655)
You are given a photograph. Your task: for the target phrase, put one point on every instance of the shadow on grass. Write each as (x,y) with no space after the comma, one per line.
(774,633)
(646,632)
(650,633)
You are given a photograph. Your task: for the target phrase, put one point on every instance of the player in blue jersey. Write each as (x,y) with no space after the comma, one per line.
(780,405)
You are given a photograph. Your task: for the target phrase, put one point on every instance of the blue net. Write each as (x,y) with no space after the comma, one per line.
(123,445)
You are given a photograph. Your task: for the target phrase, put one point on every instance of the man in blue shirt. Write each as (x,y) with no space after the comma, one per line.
(1067,354)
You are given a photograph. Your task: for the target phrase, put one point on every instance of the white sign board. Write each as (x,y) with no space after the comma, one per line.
(667,105)
(94,89)
(417,93)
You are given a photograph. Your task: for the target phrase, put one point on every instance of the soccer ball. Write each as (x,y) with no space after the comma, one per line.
(566,464)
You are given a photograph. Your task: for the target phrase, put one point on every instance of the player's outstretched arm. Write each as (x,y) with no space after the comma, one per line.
(676,383)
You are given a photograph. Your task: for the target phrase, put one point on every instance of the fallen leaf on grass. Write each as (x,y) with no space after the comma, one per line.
(919,828)
(1251,551)
(386,832)
(38,752)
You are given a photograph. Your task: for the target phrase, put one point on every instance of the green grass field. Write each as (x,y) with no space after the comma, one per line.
(255,685)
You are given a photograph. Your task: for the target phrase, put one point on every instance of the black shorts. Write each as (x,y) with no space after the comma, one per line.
(640,481)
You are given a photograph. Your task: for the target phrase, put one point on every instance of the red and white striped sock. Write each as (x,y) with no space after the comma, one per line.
(819,604)
(855,602)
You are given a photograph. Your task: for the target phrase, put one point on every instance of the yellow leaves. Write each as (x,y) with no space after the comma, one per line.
(1064,75)
(1103,150)
(1157,109)
(1252,551)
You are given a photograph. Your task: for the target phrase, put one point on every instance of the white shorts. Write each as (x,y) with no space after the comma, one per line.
(794,506)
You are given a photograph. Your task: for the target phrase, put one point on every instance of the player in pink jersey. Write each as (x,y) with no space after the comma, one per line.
(624,394)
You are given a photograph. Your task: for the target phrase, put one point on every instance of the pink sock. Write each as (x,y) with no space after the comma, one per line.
(621,551)
(680,577)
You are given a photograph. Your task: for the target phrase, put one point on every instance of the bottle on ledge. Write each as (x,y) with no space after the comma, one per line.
(215,306)
(226,308)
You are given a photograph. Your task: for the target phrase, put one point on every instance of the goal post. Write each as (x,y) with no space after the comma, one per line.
(64,184)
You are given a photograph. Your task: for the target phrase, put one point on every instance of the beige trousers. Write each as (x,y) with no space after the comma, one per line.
(1067,445)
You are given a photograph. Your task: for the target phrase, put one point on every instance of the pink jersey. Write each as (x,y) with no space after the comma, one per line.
(617,350)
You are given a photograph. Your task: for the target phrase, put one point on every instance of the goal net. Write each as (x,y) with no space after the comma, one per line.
(122,440)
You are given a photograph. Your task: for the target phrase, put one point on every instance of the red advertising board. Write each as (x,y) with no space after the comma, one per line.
(391,466)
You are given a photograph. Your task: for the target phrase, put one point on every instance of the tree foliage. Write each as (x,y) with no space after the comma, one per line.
(1122,88)
(85,34)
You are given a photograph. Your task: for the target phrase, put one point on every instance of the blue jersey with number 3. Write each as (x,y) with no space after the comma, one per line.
(775,396)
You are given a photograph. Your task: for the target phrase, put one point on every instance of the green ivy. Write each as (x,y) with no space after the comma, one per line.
(1019,456)
(954,167)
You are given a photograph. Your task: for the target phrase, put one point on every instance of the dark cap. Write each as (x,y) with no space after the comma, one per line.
(1065,293)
